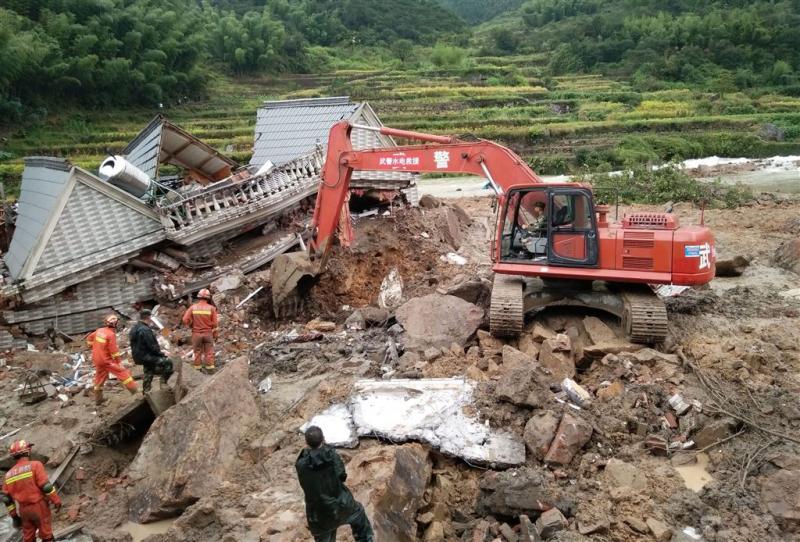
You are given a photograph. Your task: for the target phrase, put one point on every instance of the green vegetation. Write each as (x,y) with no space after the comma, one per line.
(145,52)
(641,184)
(478,11)
(723,44)
(505,81)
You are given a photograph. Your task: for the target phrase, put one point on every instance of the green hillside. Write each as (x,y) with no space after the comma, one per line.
(145,52)
(479,11)
(730,44)
(572,86)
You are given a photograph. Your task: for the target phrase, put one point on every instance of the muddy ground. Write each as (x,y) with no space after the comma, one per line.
(732,354)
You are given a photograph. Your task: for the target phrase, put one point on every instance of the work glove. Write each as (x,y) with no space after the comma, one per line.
(16,521)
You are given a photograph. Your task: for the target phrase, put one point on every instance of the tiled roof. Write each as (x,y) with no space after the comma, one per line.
(290,128)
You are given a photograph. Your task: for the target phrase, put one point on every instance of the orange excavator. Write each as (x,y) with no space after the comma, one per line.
(552,244)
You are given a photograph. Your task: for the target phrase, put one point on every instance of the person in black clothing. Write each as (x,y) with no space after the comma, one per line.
(329,504)
(147,353)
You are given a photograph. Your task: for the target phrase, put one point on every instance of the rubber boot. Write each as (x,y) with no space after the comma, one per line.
(98,397)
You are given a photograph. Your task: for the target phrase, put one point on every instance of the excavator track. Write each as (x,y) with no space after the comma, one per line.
(644,318)
(507,310)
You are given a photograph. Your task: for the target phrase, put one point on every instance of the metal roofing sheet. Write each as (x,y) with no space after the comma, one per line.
(43,183)
(162,142)
(291,128)
(114,287)
(143,151)
(90,223)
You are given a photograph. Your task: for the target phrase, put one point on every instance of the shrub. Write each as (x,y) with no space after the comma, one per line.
(642,184)
(447,56)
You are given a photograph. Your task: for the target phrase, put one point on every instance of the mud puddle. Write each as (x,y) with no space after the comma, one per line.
(696,476)
(139,532)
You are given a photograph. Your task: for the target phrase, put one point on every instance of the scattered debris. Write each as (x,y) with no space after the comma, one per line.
(576,393)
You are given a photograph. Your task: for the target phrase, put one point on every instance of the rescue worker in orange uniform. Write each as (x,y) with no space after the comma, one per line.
(26,492)
(203,318)
(106,358)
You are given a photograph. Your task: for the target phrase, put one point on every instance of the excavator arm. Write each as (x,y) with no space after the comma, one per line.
(442,154)
(438,154)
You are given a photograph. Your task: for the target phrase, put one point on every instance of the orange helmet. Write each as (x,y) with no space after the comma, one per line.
(205,293)
(111,320)
(19,447)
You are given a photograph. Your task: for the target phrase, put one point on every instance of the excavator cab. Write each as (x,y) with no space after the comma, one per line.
(549,226)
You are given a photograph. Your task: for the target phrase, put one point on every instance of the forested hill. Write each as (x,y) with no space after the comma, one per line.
(736,43)
(479,11)
(127,52)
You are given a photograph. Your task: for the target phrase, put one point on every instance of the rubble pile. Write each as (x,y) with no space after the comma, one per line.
(87,244)
(567,433)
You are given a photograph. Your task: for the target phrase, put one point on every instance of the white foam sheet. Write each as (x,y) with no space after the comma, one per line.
(430,411)
(337,426)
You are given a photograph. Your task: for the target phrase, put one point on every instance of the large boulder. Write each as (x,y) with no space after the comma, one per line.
(516,358)
(557,362)
(449,226)
(787,255)
(524,385)
(390,481)
(439,320)
(192,448)
(514,492)
(473,290)
(598,331)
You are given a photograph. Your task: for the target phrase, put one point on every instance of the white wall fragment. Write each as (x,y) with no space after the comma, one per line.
(427,410)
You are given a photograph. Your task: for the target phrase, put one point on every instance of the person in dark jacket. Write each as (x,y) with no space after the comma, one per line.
(329,504)
(147,352)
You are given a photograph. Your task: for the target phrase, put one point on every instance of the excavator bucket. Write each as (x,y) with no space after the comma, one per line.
(291,275)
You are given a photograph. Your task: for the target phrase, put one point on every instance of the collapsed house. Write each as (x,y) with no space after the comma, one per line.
(169,216)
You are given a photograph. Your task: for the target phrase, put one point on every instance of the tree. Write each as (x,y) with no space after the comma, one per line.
(403,49)
(447,56)
(505,40)
(782,73)
(724,83)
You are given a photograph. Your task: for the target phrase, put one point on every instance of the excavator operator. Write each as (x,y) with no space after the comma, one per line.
(537,223)
(534,233)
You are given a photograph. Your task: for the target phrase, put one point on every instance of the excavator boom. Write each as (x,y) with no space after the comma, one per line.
(443,154)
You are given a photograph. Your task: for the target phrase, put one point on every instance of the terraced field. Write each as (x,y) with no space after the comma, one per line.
(577,123)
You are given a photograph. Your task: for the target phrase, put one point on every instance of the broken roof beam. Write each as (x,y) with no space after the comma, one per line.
(190,220)
(162,142)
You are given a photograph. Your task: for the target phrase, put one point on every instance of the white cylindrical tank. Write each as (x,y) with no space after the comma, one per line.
(125,175)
